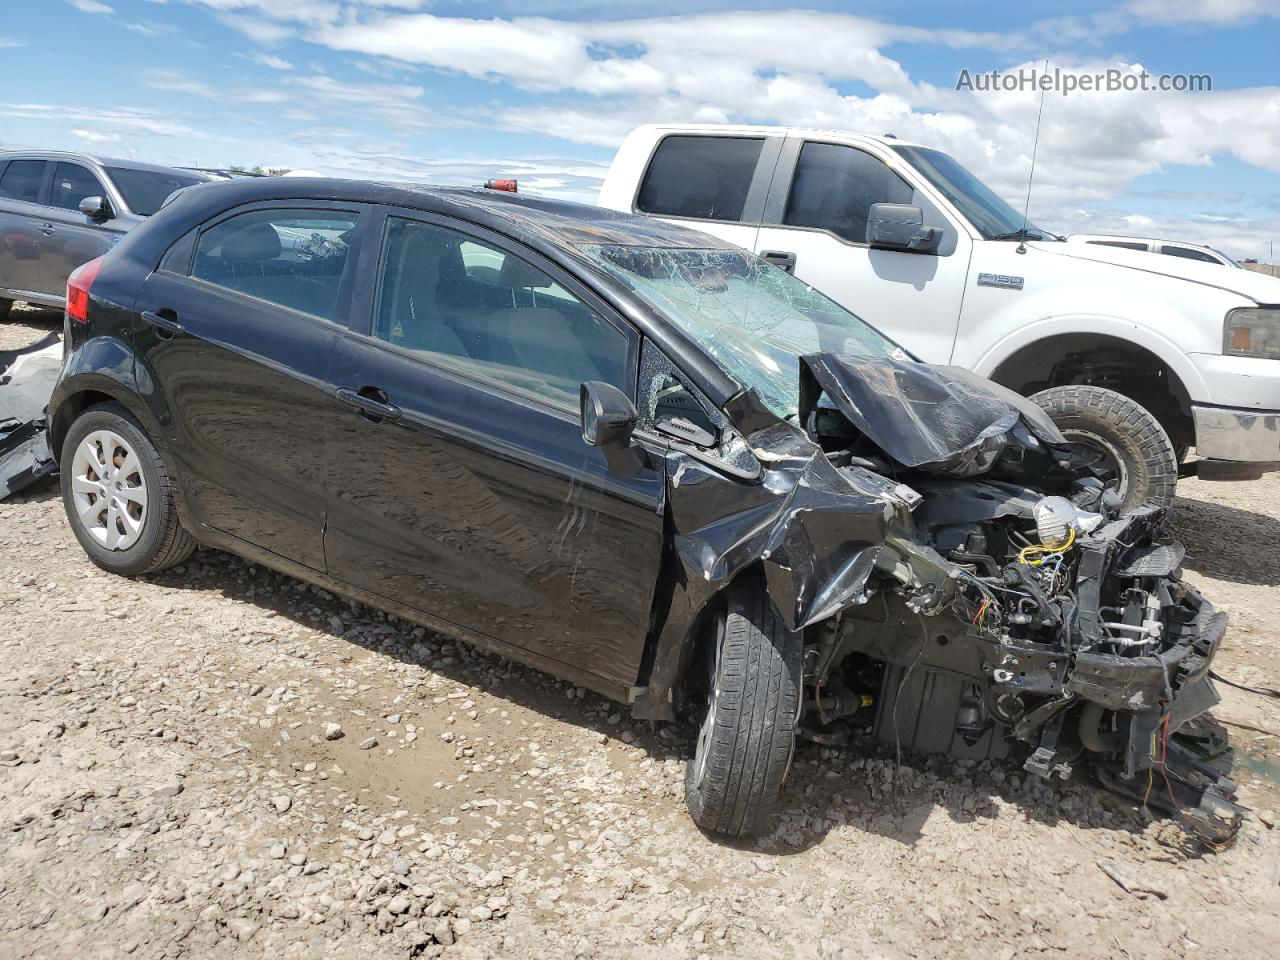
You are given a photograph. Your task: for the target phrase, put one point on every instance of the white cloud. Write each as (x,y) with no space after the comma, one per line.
(96,136)
(123,120)
(1203,11)
(268,60)
(91,6)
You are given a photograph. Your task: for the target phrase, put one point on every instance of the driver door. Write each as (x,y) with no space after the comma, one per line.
(459,482)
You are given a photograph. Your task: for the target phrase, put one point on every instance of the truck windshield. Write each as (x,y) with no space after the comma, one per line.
(990,215)
(752,318)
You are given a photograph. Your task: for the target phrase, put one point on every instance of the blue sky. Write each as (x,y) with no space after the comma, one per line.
(452,92)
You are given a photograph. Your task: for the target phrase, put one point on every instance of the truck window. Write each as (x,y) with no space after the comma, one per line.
(1189,254)
(1118,243)
(21,180)
(706,178)
(834,187)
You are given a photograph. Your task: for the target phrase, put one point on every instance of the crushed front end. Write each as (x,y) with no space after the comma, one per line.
(963,589)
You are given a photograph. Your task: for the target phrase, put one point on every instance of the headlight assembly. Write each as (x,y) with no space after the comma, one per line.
(1252,332)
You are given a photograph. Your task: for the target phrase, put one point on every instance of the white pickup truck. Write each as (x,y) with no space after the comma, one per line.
(905,237)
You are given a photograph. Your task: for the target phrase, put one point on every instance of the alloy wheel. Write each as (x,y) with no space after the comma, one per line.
(109,490)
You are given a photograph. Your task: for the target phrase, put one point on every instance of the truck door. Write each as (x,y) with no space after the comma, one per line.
(815,223)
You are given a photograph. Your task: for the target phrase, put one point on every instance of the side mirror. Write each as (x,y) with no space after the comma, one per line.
(898,226)
(608,420)
(96,208)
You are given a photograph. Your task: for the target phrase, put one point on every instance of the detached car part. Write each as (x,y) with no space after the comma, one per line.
(27,378)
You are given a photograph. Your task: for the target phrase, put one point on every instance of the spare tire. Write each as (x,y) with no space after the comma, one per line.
(1118,438)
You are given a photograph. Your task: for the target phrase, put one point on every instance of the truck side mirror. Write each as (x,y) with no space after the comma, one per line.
(899,226)
(608,421)
(96,208)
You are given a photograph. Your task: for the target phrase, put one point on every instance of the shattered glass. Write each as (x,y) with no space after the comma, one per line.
(752,318)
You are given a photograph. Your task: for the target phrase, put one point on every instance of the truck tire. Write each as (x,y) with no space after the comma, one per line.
(747,734)
(1119,438)
(119,495)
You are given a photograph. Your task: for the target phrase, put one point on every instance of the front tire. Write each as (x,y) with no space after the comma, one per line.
(1119,438)
(747,734)
(119,496)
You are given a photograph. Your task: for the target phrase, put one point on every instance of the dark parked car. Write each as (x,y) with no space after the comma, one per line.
(622,452)
(59,210)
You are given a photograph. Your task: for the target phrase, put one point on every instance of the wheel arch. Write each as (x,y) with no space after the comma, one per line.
(1119,363)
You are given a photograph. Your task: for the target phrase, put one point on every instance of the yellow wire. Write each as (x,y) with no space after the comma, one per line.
(1040,549)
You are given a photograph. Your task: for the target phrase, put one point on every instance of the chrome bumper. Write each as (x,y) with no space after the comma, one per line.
(1251,436)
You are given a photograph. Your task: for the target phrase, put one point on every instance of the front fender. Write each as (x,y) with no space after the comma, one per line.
(989,360)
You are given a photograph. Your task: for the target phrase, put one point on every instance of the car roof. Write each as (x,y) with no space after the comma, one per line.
(93,159)
(559,222)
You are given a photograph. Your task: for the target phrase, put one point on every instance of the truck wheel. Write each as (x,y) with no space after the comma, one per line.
(5,307)
(1118,438)
(747,733)
(119,496)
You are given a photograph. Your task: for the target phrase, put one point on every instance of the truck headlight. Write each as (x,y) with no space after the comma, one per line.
(1252,332)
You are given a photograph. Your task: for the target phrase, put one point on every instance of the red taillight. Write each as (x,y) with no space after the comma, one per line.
(78,285)
(507,183)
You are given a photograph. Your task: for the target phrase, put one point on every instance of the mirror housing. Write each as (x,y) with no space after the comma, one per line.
(96,208)
(900,226)
(608,421)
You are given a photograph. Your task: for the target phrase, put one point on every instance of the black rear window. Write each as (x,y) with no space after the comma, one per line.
(702,177)
(21,180)
(145,190)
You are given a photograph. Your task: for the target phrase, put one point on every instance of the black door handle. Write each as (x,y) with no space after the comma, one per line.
(370,402)
(780,258)
(165,322)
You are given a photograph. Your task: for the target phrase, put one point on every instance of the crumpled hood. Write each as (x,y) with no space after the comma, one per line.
(945,420)
(1256,286)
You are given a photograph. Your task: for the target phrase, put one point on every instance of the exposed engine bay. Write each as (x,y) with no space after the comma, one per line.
(963,587)
(1016,611)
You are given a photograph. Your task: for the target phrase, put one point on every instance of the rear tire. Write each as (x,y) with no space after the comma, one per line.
(1122,435)
(119,496)
(747,735)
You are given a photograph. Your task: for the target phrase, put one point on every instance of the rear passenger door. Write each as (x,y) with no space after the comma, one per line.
(24,227)
(239,329)
(716,184)
(459,482)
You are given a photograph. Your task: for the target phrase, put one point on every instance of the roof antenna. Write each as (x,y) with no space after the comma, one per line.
(1035,145)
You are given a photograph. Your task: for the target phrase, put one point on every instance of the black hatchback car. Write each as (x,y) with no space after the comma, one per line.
(639,459)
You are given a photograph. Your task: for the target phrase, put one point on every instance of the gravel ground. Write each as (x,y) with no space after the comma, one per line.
(222,761)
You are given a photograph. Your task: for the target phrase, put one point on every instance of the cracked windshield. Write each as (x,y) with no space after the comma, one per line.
(755,319)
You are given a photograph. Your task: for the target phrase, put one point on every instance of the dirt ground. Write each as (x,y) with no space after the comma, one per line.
(169,788)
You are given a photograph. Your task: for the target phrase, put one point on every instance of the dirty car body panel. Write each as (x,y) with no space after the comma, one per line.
(959,586)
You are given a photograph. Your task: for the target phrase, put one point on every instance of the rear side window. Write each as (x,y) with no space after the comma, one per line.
(71,184)
(293,258)
(834,187)
(492,315)
(1188,254)
(21,180)
(702,177)
(1118,243)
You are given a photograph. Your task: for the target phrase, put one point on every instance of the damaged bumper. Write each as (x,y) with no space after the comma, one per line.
(27,378)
